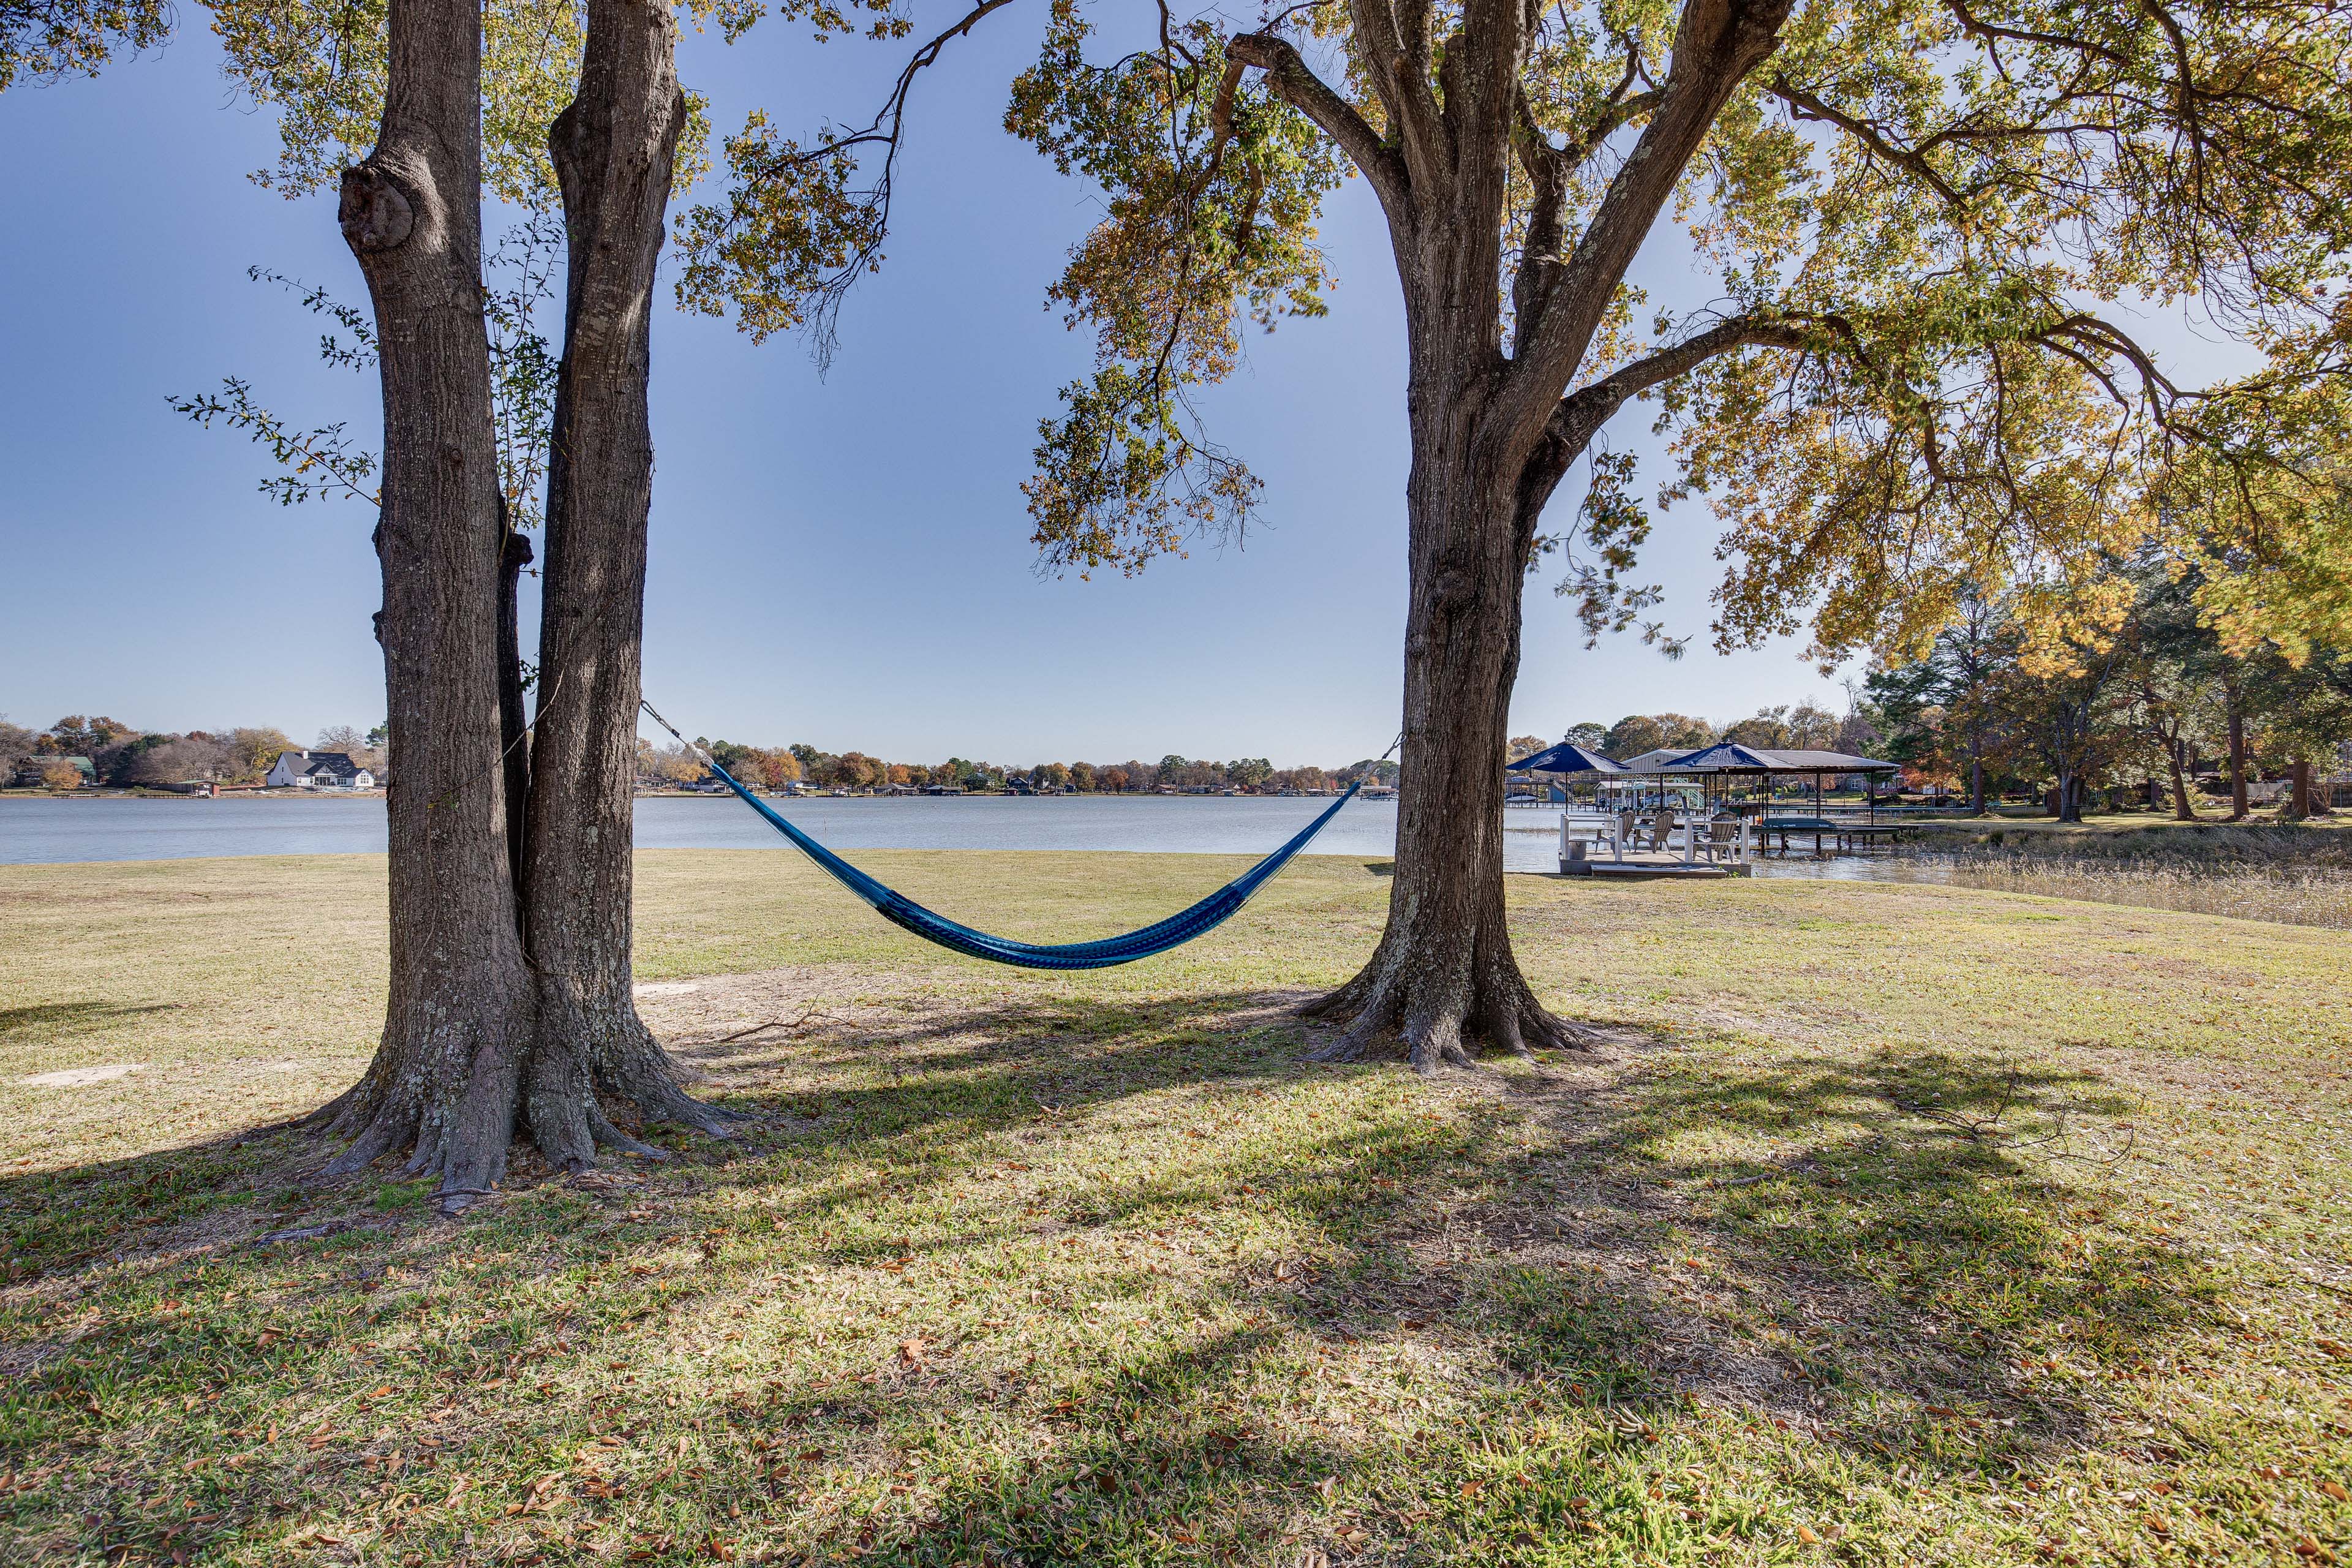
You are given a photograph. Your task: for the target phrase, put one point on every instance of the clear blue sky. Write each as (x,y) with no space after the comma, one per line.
(843,561)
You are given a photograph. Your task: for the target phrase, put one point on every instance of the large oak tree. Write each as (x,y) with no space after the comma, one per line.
(510,1007)
(1906,381)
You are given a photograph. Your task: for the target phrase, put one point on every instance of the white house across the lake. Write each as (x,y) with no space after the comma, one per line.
(317,770)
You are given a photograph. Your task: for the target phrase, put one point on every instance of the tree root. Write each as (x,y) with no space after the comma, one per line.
(560,1091)
(1432,1017)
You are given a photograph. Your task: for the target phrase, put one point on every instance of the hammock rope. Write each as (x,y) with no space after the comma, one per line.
(907,915)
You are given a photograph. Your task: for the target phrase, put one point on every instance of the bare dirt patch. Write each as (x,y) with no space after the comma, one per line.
(74,1078)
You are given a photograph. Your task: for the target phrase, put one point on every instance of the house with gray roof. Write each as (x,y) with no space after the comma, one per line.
(317,770)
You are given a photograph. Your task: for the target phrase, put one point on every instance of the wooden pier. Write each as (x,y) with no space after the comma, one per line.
(1651,863)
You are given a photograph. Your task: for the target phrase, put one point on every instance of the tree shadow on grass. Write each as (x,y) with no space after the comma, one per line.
(1876,1291)
(1906,1260)
(67,1018)
(1588,1276)
(962,1071)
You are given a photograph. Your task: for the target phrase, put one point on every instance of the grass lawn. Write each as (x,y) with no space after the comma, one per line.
(1898,1223)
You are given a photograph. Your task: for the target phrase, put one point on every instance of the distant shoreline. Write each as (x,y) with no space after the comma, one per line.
(137,794)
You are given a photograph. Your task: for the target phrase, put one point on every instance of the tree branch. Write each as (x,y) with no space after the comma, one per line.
(887,129)
(1300,88)
(1715,47)
(1539,258)
(1810,105)
(1578,417)
(1548,170)
(1395,37)
(1618,113)
(1221,125)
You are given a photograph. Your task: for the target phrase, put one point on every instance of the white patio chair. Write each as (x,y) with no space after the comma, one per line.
(1721,840)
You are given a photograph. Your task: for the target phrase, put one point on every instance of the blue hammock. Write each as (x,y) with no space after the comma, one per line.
(903,912)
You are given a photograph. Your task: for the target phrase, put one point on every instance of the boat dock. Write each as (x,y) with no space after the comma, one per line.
(1652,864)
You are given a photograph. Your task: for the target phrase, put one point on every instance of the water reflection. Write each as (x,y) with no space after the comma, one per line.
(37,830)
(52,829)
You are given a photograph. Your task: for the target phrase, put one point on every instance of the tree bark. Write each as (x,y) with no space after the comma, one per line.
(614,149)
(1444,975)
(514,718)
(510,856)
(2299,791)
(1491,437)
(444,1078)
(2240,807)
(2183,810)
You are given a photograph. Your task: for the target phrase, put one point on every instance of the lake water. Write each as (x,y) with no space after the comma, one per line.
(48,830)
(43,830)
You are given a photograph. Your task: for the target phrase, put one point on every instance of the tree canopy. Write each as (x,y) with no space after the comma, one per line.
(1925,226)
(45,40)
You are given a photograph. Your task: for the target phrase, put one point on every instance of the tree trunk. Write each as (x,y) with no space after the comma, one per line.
(2239,805)
(2299,794)
(2066,800)
(2183,810)
(1445,974)
(614,149)
(514,721)
(1491,438)
(444,1077)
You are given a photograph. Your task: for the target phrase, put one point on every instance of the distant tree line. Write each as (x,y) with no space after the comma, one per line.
(122,755)
(801,763)
(1803,727)
(2142,694)
(2137,695)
